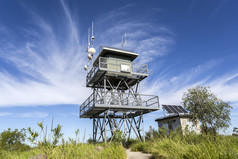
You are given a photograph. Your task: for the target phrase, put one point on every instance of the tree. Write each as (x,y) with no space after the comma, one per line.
(204,106)
(13,140)
(235,131)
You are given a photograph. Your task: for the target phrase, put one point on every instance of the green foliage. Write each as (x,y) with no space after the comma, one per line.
(204,106)
(33,135)
(155,134)
(191,146)
(76,140)
(56,135)
(118,137)
(13,140)
(68,151)
(131,142)
(235,131)
(90,140)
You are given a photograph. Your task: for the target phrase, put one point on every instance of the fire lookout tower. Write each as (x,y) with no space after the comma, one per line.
(116,103)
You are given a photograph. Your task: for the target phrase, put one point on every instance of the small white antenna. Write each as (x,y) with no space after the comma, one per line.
(92,35)
(88,38)
(90,50)
(123,41)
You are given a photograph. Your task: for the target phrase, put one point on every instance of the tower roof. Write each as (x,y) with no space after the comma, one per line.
(105,50)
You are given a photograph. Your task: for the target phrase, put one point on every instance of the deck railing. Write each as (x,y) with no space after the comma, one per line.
(115,66)
(118,99)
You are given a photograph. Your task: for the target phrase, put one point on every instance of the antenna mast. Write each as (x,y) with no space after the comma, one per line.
(92,35)
(123,41)
(88,39)
(90,49)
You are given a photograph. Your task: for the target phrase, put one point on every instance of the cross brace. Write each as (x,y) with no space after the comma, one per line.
(115,128)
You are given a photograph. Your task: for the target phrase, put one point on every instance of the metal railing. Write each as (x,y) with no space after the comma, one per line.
(114,65)
(119,99)
(87,104)
(91,73)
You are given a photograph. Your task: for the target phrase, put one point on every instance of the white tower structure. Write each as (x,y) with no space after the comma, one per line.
(116,103)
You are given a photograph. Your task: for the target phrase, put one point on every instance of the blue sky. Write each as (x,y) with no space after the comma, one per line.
(42,54)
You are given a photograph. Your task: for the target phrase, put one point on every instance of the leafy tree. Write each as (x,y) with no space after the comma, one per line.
(235,131)
(204,106)
(13,140)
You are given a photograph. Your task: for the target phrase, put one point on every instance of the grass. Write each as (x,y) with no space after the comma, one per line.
(174,146)
(190,146)
(66,151)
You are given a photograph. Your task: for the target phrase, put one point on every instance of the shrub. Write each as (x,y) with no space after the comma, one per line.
(13,140)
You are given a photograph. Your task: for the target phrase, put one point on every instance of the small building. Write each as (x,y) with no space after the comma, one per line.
(177,118)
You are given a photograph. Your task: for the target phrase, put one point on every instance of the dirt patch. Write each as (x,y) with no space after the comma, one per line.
(40,156)
(137,155)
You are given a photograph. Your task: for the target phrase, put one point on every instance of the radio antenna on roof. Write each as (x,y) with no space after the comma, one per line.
(88,38)
(90,49)
(123,42)
(92,35)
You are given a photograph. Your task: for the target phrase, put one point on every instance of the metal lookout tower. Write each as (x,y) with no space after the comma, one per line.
(116,103)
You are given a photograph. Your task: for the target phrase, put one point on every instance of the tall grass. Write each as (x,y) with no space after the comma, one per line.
(191,146)
(72,151)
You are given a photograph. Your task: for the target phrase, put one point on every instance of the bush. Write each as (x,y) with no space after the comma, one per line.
(13,140)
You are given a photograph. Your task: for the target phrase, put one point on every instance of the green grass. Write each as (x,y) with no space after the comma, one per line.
(66,151)
(175,146)
(191,146)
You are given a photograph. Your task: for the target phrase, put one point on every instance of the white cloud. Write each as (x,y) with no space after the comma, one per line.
(24,115)
(46,71)
(171,88)
(49,71)
(3,114)
(32,115)
(148,40)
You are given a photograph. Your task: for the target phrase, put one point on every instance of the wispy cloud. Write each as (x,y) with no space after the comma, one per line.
(218,7)
(3,114)
(44,70)
(149,40)
(24,115)
(47,67)
(171,88)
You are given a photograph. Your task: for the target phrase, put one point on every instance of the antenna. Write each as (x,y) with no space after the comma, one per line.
(92,35)
(90,50)
(88,38)
(123,41)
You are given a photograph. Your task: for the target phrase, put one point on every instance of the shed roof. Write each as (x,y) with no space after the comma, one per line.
(171,116)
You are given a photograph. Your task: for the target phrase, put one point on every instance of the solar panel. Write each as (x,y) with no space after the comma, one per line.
(178,109)
(167,109)
(184,111)
(174,109)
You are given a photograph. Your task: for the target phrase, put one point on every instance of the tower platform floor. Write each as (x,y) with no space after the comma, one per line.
(97,109)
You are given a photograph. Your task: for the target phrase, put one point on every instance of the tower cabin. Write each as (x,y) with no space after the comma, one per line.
(116,64)
(114,78)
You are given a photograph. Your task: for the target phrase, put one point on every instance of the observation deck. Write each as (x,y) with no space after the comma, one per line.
(136,104)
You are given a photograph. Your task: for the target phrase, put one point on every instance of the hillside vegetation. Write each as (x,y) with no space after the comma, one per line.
(70,151)
(163,145)
(176,146)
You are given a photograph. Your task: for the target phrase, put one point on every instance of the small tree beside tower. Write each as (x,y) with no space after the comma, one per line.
(205,107)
